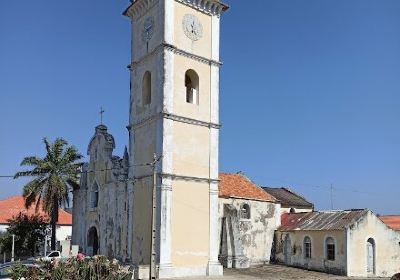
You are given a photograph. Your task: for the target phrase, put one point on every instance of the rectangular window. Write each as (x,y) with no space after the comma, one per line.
(307,248)
(330,252)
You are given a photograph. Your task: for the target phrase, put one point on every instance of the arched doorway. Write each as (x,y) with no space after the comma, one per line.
(371,256)
(287,250)
(93,242)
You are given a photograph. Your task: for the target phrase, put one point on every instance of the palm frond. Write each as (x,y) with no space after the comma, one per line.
(58,147)
(31,161)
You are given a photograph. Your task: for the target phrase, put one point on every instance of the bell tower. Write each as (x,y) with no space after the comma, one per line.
(174,113)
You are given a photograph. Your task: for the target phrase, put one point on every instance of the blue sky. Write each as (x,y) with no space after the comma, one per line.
(310,90)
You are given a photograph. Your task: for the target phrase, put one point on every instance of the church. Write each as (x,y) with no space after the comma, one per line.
(173,145)
(164,208)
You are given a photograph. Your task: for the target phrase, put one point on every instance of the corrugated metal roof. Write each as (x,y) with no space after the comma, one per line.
(289,198)
(328,220)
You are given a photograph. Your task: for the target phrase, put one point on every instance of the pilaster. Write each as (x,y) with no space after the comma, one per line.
(165,267)
(214,267)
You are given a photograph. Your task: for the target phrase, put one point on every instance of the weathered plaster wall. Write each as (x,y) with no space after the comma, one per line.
(110,217)
(257,233)
(190,224)
(318,260)
(200,47)
(142,221)
(387,247)
(200,111)
(191,151)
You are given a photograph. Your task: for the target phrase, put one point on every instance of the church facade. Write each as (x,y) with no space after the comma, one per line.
(174,118)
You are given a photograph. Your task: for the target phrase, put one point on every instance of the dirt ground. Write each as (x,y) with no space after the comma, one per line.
(276,272)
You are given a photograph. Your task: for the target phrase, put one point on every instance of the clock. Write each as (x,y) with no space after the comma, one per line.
(148,29)
(192,27)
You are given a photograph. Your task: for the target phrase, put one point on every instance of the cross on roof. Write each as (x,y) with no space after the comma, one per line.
(101,115)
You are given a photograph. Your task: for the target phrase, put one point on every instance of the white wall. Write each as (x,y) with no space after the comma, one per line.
(62,232)
(318,260)
(387,247)
(3,228)
(297,210)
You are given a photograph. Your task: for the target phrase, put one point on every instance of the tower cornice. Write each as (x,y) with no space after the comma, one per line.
(175,50)
(210,7)
(173,117)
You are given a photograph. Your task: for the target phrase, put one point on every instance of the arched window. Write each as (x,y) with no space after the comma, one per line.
(307,247)
(94,197)
(192,87)
(245,211)
(330,249)
(146,88)
(292,210)
(371,256)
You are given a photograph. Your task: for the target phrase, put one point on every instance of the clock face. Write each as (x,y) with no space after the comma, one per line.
(148,29)
(192,27)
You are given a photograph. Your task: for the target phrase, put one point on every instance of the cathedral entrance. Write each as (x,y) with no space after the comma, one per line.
(93,242)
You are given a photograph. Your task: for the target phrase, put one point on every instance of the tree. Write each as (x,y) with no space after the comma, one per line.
(29,231)
(54,176)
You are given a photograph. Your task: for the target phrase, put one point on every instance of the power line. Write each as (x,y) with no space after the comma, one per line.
(92,171)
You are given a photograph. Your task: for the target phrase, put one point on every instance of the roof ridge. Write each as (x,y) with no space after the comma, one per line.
(11,197)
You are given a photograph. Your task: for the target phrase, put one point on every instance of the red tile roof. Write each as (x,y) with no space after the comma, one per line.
(238,186)
(392,221)
(12,206)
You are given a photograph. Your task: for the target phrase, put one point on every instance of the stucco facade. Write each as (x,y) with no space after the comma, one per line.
(255,234)
(184,133)
(363,245)
(100,212)
(174,116)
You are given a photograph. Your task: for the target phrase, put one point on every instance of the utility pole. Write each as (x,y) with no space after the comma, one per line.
(152,268)
(331,196)
(12,248)
(45,245)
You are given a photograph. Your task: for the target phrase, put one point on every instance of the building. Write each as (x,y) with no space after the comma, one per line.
(248,218)
(102,206)
(392,221)
(290,201)
(348,242)
(174,115)
(13,206)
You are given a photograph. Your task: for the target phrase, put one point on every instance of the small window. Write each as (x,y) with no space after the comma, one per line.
(330,249)
(146,88)
(95,196)
(292,210)
(192,87)
(307,247)
(245,212)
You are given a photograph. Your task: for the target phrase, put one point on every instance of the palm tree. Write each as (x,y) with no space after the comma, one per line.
(54,176)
